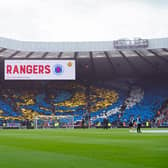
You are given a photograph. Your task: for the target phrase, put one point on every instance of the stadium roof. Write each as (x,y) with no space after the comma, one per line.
(95,59)
(71,46)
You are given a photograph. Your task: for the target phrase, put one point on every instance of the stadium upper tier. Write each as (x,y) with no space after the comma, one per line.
(97,60)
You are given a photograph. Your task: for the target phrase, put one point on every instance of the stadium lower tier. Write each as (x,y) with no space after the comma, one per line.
(118,101)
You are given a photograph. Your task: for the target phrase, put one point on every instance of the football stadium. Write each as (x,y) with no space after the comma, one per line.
(76,104)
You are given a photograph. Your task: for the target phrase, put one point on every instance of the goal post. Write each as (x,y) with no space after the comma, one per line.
(61,121)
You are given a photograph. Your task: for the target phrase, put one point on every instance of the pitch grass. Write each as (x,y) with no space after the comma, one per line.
(93,148)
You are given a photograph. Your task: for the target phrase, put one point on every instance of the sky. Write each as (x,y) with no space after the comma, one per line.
(83,20)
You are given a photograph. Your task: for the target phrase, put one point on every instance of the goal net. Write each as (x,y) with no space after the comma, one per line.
(43,121)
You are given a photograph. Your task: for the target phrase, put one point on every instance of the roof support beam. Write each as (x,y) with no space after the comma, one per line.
(45,54)
(15,53)
(29,54)
(2,50)
(76,60)
(142,56)
(92,65)
(158,56)
(133,67)
(110,61)
(60,55)
(165,49)
(76,55)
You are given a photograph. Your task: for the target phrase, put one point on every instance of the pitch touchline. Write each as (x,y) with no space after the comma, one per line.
(150,131)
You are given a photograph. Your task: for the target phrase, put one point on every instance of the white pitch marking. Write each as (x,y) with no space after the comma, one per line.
(150,131)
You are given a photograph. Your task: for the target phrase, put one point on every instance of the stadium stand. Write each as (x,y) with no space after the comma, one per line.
(118,83)
(119,104)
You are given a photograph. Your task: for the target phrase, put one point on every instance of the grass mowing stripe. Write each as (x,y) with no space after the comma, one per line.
(82,148)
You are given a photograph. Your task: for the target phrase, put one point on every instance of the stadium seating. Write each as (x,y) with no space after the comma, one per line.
(119,104)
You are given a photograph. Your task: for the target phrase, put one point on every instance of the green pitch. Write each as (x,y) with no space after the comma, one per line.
(93,148)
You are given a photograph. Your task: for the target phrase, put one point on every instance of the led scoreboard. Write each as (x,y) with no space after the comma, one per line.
(39,69)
